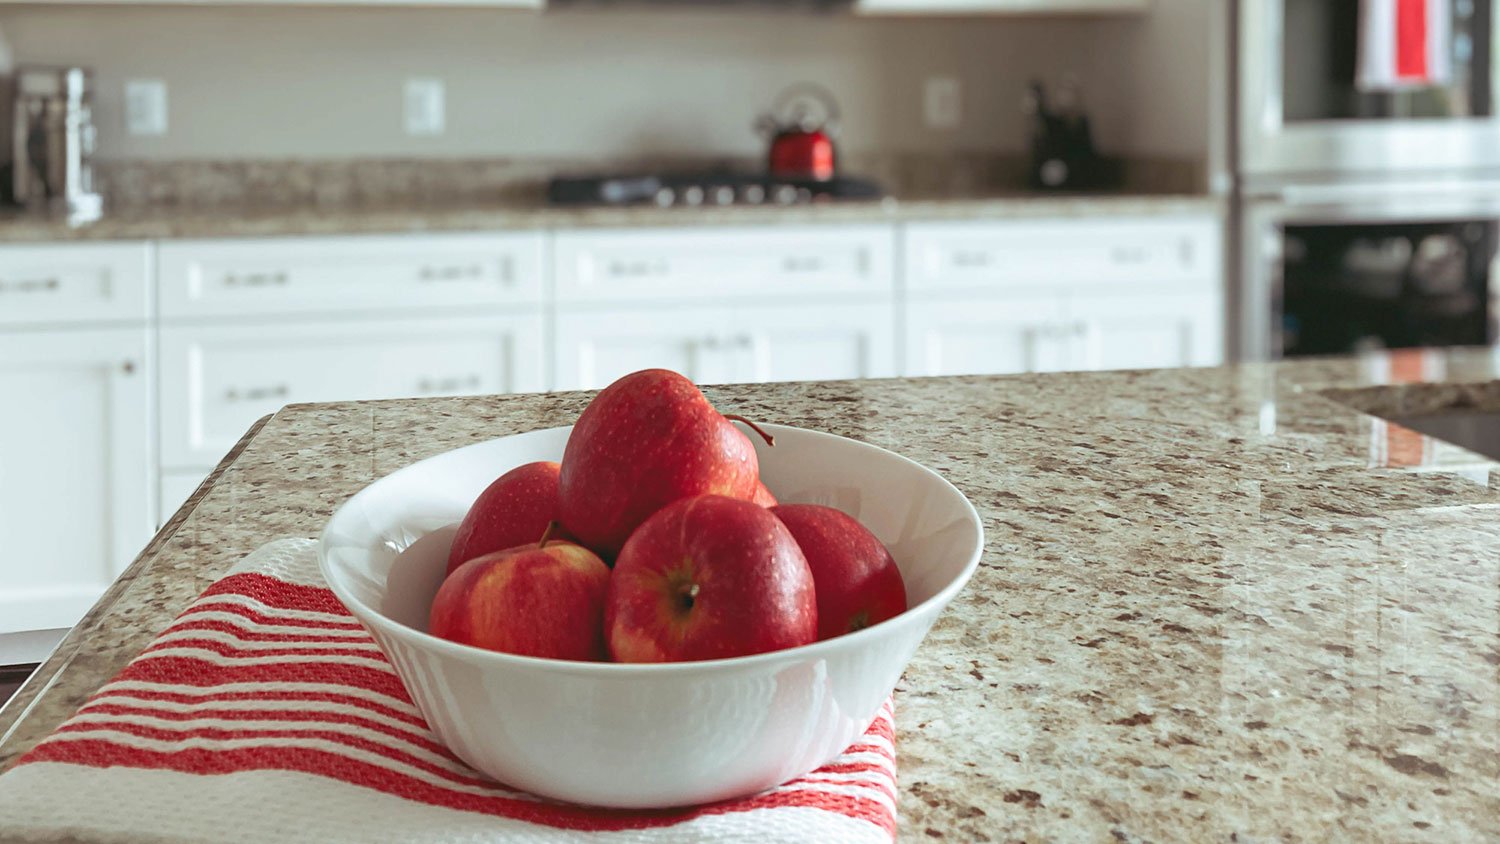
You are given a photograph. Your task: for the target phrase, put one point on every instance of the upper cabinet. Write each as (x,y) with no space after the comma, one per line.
(917,8)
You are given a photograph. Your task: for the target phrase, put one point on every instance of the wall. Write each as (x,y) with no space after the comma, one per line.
(326,82)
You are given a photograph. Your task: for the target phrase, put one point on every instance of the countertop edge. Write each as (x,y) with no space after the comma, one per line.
(58,660)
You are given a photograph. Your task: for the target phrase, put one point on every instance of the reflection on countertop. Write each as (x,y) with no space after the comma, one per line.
(1216,604)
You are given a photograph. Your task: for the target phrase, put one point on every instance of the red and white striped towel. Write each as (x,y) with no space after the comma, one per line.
(265,713)
(1404,44)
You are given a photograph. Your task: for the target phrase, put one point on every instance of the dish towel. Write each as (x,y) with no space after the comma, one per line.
(266,713)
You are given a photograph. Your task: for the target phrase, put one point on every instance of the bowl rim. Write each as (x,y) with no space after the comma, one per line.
(812,650)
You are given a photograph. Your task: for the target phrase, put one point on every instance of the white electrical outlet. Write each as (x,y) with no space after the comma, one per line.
(942,102)
(145,107)
(424,107)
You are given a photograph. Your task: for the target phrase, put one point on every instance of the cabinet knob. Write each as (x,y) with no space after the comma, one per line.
(50,284)
(128,367)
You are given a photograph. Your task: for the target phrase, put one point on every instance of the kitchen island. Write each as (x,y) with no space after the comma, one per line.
(1215,604)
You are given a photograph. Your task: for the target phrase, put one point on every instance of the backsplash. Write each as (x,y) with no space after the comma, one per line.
(258,83)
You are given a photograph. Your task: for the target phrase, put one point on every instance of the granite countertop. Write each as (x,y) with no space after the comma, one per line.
(1215,604)
(148,222)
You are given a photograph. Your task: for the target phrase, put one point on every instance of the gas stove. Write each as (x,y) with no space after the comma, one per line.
(705,190)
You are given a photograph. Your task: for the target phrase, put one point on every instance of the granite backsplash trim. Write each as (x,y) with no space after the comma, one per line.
(134,184)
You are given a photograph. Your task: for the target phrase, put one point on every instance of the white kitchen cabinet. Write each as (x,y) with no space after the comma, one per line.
(815,342)
(244,277)
(988,336)
(1147,330)
(1042,256)
(716,264)
(76,490)
(74,283)
(218,379)
(1062,294)
(1004,334)
(714,345)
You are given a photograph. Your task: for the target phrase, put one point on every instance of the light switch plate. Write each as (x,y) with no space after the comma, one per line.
(942,102)
(145,107)
(424,107)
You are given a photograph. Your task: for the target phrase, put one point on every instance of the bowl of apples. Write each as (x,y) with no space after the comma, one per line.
(657,606)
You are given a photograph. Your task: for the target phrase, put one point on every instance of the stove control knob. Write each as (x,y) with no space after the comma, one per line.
(665,197)
(692,195)
(784,194)
(753,194)
(723,195)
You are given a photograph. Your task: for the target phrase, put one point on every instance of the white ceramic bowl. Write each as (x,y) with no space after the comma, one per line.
(646,736)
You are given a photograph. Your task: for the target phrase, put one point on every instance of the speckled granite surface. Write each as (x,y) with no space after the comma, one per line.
(428,215)
(1215,605)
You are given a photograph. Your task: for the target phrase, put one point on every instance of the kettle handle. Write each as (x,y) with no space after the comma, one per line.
(814,91)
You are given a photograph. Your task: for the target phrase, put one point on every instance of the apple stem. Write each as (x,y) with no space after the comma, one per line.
(734,417)
(552,527)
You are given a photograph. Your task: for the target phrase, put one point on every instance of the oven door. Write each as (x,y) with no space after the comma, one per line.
(1318,99)
(1341,269)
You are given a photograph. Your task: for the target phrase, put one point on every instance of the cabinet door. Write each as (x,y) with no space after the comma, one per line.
(987,336)
(1147,331)
(823,343)
(593,348)
(76,493)
(216,381)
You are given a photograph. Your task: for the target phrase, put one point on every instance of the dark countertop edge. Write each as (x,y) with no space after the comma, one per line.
(57,662)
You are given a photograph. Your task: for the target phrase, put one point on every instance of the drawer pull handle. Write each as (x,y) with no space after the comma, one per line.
(449,385)
(802,265)
(1128,255)
(31,285)
(971,259)
(637,269)
(275,391)
(454,272)
(256,279)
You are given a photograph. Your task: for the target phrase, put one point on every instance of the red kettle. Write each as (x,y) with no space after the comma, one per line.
(801,125)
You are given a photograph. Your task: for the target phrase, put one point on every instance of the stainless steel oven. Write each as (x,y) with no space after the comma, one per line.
(1332,269)
(1327,90)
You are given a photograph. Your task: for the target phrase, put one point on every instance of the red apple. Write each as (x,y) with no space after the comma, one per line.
(706,578)
(647,440)
(514,510)
(537,600)
(858,583)
(763,496)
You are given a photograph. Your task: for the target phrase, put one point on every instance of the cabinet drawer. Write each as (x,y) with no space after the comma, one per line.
(715,345)
(216,381)
(1046,253)
(340,274)
(73,283)
(719,263)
